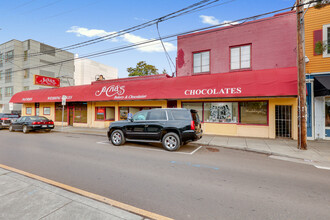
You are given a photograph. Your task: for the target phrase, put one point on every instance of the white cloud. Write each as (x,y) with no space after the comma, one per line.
(80,31)
(154,46)
(213,21)
(209,20)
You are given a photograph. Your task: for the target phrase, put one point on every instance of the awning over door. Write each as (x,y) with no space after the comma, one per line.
(321,85)
(258,83)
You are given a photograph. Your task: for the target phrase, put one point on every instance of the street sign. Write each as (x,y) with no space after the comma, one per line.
(64,100)
(11,106)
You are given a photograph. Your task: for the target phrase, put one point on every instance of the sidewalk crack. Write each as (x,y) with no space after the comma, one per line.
(56,210)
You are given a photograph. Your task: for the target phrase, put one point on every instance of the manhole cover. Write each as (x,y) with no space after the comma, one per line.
(212,149)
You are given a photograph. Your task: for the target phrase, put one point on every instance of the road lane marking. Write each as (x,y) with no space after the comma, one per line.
(99,198)
(152,149)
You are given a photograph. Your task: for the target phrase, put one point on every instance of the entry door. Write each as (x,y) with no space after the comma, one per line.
(70,118)
(283,119)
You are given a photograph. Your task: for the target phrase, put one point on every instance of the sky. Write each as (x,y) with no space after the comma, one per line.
(62,23)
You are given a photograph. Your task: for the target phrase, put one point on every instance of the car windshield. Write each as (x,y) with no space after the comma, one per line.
(37,118)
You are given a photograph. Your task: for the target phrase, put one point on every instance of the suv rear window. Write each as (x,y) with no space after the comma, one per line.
(157,115)
(181,115)
(195,116)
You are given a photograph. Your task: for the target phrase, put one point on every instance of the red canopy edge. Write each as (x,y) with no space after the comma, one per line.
(258,83)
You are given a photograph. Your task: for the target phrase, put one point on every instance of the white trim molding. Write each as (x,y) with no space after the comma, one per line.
(326,29)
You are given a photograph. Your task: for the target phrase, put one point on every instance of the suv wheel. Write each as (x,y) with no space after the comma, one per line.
(117,137)
(25,129)
(171,141)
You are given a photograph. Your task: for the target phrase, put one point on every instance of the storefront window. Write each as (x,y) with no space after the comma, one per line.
(28,110)
(196,106)
(223,112)
(46,111)
(253,113)
(80,113)
(123,111)
(105,113)
(58,112)
(327,113)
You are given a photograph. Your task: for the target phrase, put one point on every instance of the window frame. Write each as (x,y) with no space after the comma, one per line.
(43,111)
(240,64)
(104,116)
(326,31)
(26,110)
(238,112)
(12,91)
(11,57)
(193,62)
(8,76)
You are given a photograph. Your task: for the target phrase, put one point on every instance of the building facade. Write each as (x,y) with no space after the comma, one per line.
(317,51)
(21,60)
(87,71)
(242,79)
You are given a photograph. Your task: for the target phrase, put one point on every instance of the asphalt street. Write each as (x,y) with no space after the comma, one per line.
(194,183)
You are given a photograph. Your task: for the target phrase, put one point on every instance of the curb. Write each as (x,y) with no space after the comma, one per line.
(99,198)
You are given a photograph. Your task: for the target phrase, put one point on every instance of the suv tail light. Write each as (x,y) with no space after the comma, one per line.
(3,118)
(192,125)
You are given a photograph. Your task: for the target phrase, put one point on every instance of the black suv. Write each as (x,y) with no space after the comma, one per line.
(172,127)
(6,119)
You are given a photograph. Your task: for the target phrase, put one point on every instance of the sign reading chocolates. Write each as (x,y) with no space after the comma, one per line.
(46,81)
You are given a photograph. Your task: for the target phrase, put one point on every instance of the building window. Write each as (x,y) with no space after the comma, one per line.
(26,73)
(8,76)
(80,113)
(58,112)
(0,75)
(327,113)
(240,57)
(326,40)
(221,112)
(105,113)
(123,111)
(46,110)
(28,110)
(45,49)
(26,88)
(9,91)
(0,93)
(25,55)
(9,55)
(202,62)
(196,106)
(254,113)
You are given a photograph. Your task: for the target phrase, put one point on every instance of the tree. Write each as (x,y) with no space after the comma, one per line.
(142,69)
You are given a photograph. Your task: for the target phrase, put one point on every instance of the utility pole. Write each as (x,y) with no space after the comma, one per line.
(302,111)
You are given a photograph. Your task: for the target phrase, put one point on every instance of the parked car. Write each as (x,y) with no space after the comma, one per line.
(171,127)
(6,119)
(31,123)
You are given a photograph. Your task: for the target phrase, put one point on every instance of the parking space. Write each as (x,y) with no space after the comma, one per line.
(189,149)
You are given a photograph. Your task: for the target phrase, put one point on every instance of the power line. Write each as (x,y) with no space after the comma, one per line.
(132,46)
(172,15)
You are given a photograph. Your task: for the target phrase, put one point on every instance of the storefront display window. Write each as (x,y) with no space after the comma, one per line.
(105,113)
(223,112)
(28,110)
(46,110)
(80,113)
(123,111)
(327,112)
(196,106)
(58,112)
(253,113)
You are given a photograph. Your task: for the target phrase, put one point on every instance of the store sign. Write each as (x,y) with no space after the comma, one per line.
(46,81)
(111,91)
(223,91)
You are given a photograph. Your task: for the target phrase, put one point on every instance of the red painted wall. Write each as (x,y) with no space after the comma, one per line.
(273,41)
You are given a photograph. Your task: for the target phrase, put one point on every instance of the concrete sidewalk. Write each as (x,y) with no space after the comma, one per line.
(22,197)
(318,152)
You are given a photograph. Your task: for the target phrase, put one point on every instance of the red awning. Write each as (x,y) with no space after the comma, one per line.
(259,83)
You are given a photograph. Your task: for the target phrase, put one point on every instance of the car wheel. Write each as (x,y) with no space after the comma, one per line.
(117,137)
(171,141)
(11,128)
(25,129)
